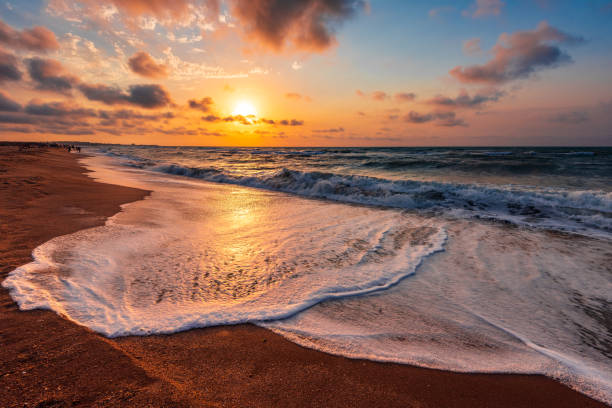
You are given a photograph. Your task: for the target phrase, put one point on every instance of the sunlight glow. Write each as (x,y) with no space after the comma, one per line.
(244,108)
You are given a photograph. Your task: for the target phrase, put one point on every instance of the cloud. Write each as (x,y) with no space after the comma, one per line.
(50,75)
(331,130)
(7,104)
(464,100)
(146,96)
(141,63)
(57,109)
(483,8)
(292,122)
(211,118)
(570,118)
(9,70)
(405,96)
(171,10)
(447,119)
(376,95)
(519,55)
(252,120)
(17,119)
(128,114)
(205,104)
(471,46)
(33,39)
(306,24)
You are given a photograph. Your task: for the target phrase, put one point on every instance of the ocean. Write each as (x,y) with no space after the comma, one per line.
(494,260)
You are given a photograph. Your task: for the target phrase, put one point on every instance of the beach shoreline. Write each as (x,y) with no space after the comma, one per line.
(46,359)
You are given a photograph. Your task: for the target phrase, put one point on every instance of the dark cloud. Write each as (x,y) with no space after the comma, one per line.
(108,95)
(405,96)
(244,120)
(252,120)
(7,104)
(448,119)
(9,70)
(415,117)
(205,104)
(141,63)
(306,24)
(464,100)
(50,75)
(146,96)
(18,129)
(128,114)
(570,118)
(211,118)
(58,109)
(17,118)
(519,55)
(33,39)
(292,122)
(331,130)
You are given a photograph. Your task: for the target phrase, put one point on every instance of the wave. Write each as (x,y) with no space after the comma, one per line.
(587,212)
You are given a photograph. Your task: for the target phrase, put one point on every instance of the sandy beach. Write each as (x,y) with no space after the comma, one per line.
(48,361)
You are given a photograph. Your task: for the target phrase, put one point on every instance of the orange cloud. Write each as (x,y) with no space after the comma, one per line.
(205,104)
(142,64)
(33,39)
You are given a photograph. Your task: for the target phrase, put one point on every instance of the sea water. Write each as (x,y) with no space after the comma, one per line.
(473,260)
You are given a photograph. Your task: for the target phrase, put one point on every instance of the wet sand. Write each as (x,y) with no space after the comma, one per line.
(47,361)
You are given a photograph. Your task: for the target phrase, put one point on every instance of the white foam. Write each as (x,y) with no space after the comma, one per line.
(196,254)
(499,300)
(587,212)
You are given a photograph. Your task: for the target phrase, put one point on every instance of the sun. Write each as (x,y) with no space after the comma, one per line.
(244,108)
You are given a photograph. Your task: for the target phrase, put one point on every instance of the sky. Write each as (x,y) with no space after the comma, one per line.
(307,72)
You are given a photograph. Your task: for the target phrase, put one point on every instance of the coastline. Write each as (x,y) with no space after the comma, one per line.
(46,359)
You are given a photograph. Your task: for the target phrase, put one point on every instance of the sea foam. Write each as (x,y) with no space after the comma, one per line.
(196,255)
(359,281)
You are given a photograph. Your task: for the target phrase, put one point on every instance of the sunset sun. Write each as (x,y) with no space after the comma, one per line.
(244,108)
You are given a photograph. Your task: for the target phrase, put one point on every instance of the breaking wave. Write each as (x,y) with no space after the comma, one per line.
(587,212)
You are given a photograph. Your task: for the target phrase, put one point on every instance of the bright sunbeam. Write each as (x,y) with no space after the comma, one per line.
(244,108)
